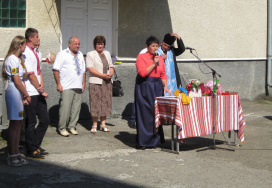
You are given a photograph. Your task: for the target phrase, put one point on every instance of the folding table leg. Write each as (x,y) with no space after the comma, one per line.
(172,138)
(177,143)
(229,137)
(235,139)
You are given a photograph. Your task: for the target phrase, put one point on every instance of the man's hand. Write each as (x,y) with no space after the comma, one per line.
(40,89)
(83,88)
(45,95)
(59,88)
(176,35)
(164,56)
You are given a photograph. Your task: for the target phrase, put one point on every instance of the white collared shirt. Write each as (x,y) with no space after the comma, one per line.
(31,67)
(71,69)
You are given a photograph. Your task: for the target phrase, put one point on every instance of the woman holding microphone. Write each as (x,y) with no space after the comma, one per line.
(151,82)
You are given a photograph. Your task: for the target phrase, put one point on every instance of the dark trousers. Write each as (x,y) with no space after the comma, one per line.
(34,135)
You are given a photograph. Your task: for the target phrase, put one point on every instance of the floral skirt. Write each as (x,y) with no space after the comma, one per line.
(15,107)
(101,99)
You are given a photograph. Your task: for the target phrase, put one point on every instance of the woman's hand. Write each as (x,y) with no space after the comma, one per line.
(26,100)
(156,60)
(106,77)
(167,90)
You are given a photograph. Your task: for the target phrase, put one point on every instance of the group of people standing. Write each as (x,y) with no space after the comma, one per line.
(25,96)
(70,74)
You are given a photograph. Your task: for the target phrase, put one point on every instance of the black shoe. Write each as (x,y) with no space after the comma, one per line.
(42,152)
(140,147)
(132,125)
(35,155)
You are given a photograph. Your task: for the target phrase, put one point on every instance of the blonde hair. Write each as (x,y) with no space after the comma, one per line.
(14,47)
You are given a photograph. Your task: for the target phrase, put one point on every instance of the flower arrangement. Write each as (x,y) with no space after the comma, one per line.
(193,85)
(206,90)
(214,86)
(194,88)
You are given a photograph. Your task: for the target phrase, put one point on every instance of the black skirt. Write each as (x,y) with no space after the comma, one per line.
(146,90)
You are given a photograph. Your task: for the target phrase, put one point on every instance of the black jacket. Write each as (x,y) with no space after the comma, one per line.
(176,52)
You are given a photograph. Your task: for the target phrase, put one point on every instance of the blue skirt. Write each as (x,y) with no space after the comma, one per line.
(15,107)
(146,90)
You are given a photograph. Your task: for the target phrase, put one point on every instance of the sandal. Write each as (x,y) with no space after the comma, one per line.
(94,129)
(22,160)
(14,162)
(104,128)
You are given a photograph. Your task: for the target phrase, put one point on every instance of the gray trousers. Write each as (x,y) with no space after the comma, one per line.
(70,104)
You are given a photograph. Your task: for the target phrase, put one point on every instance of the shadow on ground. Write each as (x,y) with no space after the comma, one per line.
(42,174)
(268,117)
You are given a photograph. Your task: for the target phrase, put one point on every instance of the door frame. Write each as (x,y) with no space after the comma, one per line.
(115,5)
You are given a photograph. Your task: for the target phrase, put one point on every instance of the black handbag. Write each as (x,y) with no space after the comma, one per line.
(117,90)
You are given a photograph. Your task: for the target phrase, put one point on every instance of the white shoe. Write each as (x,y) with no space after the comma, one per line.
(63,132)
(104,128)
(94,129)
(73,131)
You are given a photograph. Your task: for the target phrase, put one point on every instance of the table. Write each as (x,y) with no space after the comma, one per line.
(196,119)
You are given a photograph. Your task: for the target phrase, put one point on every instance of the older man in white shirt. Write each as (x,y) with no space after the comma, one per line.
(70,75)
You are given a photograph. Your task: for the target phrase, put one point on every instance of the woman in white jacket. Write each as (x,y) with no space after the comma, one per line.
(100,66)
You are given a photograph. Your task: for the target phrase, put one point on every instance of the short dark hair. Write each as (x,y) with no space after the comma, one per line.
(99,39)
(30,32)
(151,40)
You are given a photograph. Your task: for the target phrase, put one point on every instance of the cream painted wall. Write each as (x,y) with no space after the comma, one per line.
(47,23)
(216,28)
(221,28)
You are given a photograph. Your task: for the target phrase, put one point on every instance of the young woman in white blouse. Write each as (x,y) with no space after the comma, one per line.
(13,72)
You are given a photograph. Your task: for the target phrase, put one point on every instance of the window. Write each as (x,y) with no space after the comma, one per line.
(13,13)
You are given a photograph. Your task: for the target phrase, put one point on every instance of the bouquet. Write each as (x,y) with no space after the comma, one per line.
(197,88)
(214,86)
(193,85)
(194,89)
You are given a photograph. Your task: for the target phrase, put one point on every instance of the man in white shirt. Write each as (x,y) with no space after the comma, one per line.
(38,107)
(70,75)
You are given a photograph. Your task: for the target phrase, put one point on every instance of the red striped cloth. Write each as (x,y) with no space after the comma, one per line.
(196,119)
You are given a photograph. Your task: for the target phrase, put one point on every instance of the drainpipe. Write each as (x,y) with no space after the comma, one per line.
(60,36)
(269,44)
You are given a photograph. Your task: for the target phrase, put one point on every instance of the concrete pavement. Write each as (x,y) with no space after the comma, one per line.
(111,160)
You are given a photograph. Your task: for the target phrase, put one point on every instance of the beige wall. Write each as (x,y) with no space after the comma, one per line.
(216,28)
(221,28)
(38,17)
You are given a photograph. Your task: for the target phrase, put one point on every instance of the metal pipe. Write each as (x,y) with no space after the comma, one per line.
(269,43)
(127,59)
